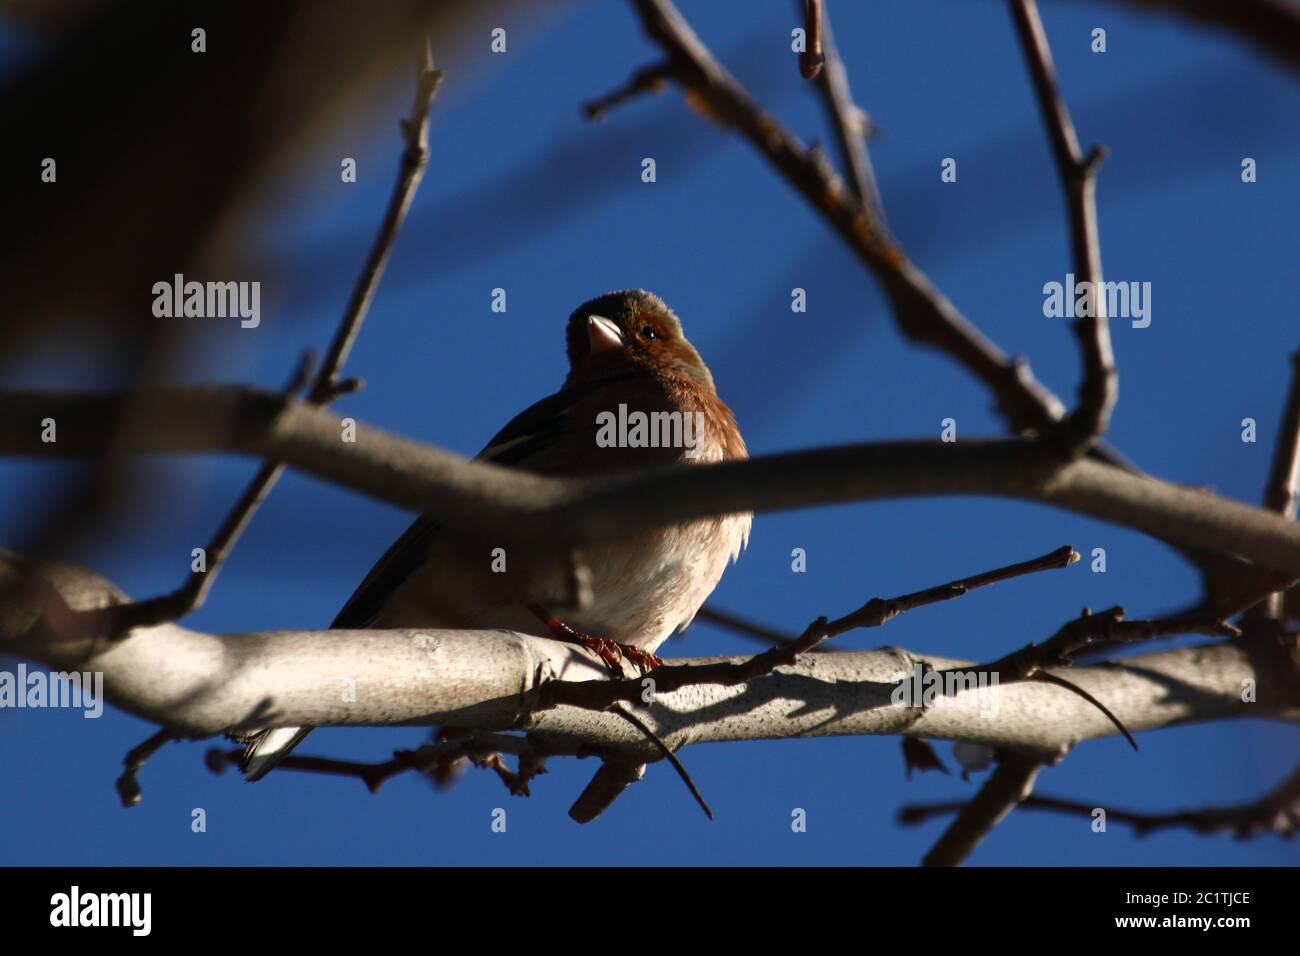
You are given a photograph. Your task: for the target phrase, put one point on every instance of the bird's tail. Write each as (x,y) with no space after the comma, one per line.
(264,750)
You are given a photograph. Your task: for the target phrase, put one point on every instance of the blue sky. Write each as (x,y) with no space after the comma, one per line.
(523,193)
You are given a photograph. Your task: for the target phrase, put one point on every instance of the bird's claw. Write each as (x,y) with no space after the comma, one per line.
(612,653)
(642,659)
(609,651)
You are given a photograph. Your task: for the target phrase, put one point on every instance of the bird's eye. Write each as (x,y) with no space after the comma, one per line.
(648,333)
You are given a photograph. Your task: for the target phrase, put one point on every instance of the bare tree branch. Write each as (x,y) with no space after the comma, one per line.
(652,79)
(482,749)
(486,683)
(1109,625)
(1106,629)
(198,684)
(326,386)
(850,123)
(1006,788)
(875,613)
(1282,492)
(614,776)
(1278,812)
(812,59)
(1078,177)
(998,797)
(921,310)
(479,496)
(666,752)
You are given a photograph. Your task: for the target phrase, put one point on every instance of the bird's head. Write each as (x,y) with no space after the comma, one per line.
(622,331)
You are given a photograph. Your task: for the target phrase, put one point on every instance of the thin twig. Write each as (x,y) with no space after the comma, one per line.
(922,312)
(606,694)
(1047,677)
(1108,625)
(668,755)
(1007,787)
(1089,633)
(373,775)
(812,59)
(324,388)
(1087,423)
(653,79)
(415,133)
(1276,812)
(850,123)
(483,749)
(600,695)
(1213,620)
(1283,489)
(1031,661)
(516,781)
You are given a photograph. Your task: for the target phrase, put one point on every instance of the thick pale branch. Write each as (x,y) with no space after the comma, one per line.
(198,684)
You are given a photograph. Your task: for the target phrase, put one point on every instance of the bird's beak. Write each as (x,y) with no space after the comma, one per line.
(603,335)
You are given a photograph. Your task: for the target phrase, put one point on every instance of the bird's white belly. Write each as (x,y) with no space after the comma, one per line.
(642,594)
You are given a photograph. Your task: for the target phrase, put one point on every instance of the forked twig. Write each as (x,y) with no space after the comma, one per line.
(120,619)
(1087,423)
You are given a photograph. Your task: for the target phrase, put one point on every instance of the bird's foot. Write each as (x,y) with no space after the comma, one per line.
(609,651)
(642,659)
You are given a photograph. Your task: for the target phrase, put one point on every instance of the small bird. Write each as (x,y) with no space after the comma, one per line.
(637,396)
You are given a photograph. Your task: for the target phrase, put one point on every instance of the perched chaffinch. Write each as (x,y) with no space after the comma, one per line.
(637,395)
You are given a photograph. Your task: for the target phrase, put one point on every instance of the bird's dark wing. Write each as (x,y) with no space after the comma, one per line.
(532,430)
(389,572)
